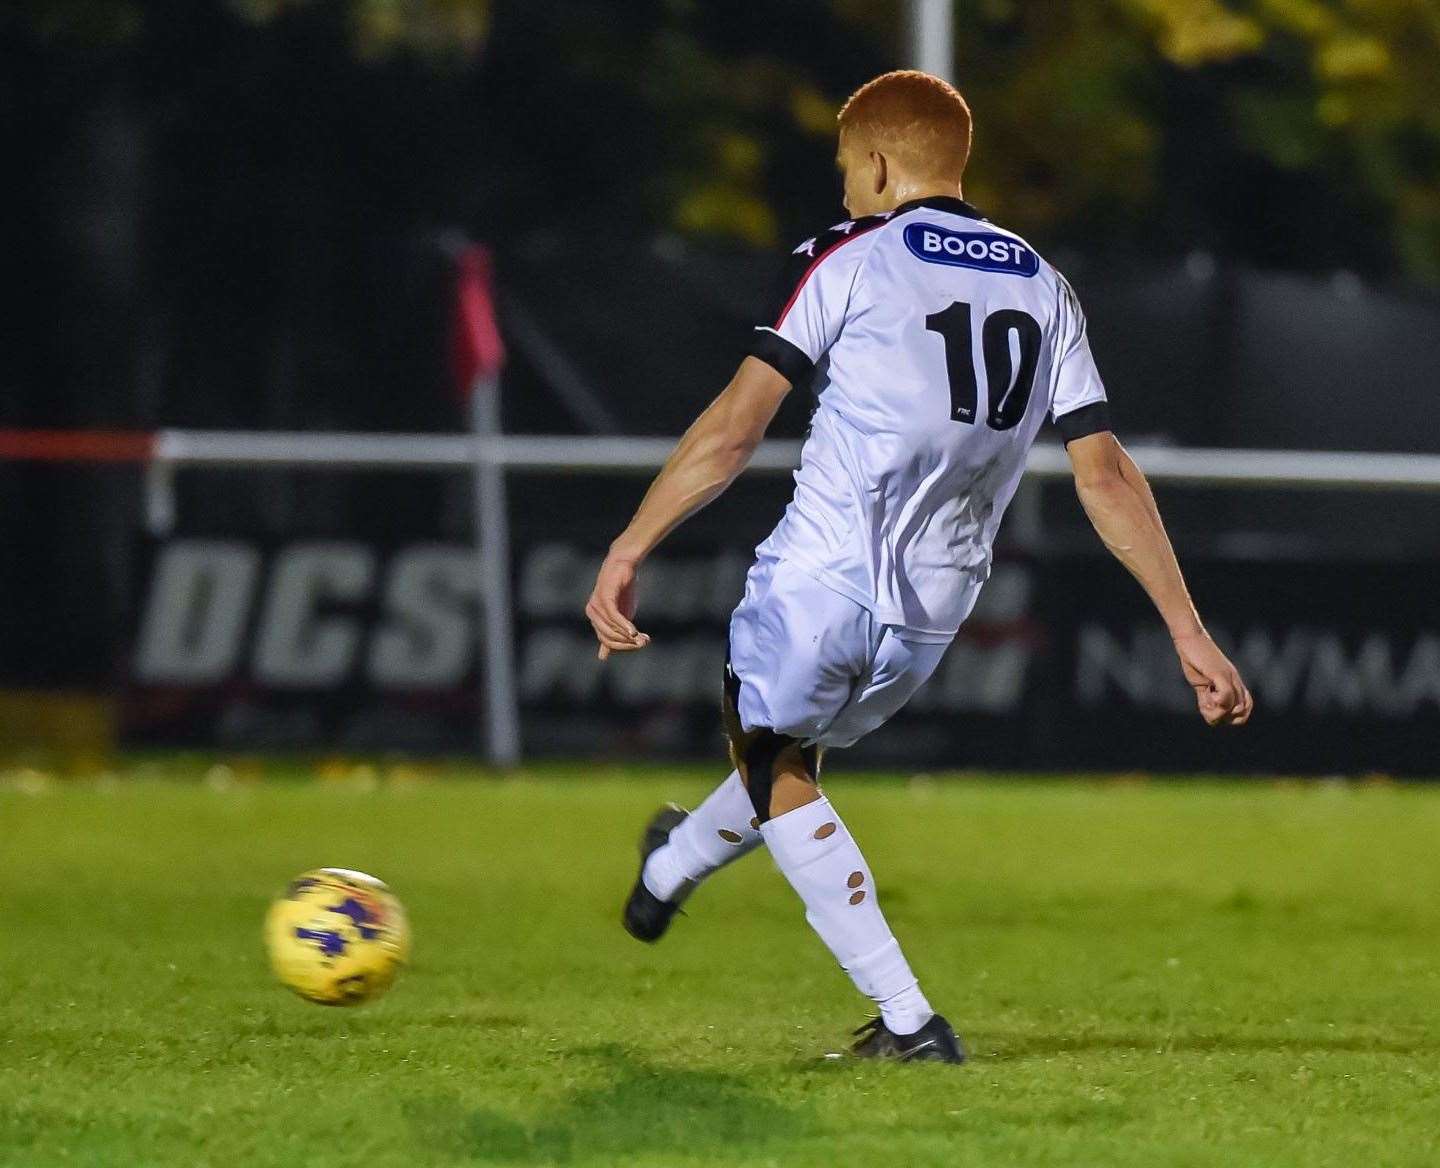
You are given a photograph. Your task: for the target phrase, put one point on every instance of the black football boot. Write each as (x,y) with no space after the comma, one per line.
(646,915)
(935,1042)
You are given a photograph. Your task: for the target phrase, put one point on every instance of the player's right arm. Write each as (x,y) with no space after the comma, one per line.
(712,452)
(811,302)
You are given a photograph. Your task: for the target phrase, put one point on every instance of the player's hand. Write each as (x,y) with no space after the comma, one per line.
(611,606)
(1219,692)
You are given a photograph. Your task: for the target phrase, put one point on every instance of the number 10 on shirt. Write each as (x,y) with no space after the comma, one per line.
(1007,387)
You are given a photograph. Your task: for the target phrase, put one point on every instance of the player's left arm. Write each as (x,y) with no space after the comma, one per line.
(1117,498)
(712,453)
(1121,507)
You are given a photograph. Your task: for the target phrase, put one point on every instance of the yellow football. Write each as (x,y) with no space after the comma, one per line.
(337,937)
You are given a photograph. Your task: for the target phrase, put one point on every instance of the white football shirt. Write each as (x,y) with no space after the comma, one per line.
(936,344)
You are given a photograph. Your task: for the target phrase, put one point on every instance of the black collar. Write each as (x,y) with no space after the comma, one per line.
(941,203)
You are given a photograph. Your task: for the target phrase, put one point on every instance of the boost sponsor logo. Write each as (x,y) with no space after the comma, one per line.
(970,249)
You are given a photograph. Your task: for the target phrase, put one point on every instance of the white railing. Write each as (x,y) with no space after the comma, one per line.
(489,455)
(1284,469)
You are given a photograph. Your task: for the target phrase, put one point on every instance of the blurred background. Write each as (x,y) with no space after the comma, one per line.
(303,217)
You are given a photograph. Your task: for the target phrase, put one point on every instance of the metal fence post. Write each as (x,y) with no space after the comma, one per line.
(159,499)
(492,549)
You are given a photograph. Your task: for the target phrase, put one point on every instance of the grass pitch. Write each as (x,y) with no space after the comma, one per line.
(1198,974)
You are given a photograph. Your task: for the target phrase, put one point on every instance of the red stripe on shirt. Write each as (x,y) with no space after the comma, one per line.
(815,263)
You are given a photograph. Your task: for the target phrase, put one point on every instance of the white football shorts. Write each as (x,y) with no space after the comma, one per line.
(815,665)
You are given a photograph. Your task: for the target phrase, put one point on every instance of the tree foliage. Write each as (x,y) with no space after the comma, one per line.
(1298,132)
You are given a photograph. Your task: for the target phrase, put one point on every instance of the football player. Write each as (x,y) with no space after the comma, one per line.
(937,344)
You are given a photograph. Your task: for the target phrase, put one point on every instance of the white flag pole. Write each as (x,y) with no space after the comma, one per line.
(492,527)
(932,37)
(479,353)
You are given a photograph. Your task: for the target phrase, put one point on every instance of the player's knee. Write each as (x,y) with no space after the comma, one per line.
(779,772)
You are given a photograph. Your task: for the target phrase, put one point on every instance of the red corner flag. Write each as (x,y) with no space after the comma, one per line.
(476,350)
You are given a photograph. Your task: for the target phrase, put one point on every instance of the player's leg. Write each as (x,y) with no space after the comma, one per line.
(897,670)
(781,699)
(679,849)
(720,830)
(899,667)
(814,850)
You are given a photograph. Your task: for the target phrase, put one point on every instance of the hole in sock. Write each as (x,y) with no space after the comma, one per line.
(856,879)
(825,831)
(755,822)
(857,897)
(730,837)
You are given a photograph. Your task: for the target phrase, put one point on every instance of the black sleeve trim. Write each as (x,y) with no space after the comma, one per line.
(785,358)
(1087,420)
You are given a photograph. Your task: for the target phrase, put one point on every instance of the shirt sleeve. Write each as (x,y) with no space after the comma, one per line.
(1078,406)
(813,299)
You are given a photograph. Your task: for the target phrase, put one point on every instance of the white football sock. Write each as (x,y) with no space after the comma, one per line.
(817,854)
(718,831)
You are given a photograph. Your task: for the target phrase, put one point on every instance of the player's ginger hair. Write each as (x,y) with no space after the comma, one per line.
(916,118)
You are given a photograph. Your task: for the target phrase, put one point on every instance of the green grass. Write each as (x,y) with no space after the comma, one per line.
(1147,975)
